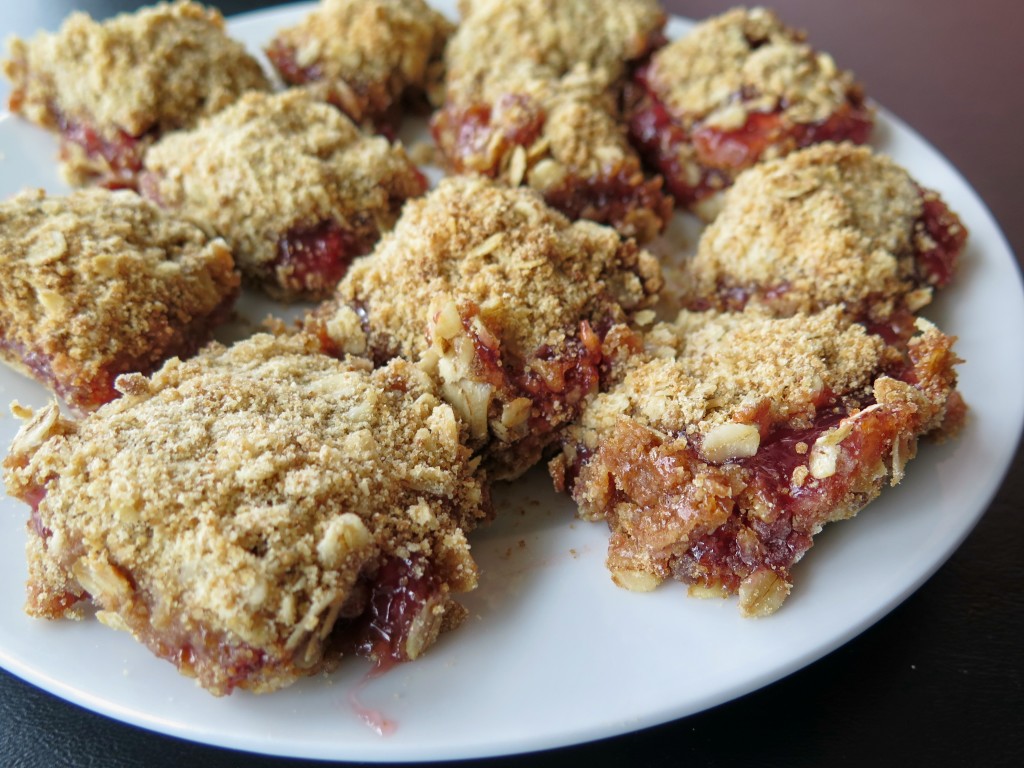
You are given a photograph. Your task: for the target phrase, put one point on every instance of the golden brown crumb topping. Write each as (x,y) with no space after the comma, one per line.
(99,279)
(498,36)
(831,224)
(270,164)
(162,67)
(708,368)
(744,61)
(533,274)
(369,44)
(241,495)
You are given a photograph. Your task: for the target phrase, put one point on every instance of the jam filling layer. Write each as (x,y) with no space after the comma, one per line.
(719,154)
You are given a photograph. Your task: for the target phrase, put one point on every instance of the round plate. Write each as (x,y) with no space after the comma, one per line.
(553,653)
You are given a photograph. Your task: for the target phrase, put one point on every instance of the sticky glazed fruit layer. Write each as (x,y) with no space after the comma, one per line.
(311,260)
(481,137)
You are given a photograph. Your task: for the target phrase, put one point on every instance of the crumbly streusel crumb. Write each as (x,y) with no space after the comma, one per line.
(101,283)
(230,509)
(708,368)
(831,224)
(365,55)
(739,89)
(271,168)
(159,69)
(532,101)
(498,36)
(532,273)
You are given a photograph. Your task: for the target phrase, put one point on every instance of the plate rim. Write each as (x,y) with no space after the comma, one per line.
(582,733)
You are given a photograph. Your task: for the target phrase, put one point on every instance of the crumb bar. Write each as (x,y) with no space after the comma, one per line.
(739,88)
(830,224)
(501,298)
(290,182)
(252,514)
(111,88)
(530,100)
(725,442)
(370,58)
(101,283)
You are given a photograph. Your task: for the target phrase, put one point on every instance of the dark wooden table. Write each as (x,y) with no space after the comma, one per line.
(940,680)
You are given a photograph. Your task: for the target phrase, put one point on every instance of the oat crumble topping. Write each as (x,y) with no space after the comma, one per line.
(532,273)
(739,89)
(498,36)
(725,444)
(489,288)
(709,368)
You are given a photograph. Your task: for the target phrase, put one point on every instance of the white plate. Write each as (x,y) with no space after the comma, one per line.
(553,653)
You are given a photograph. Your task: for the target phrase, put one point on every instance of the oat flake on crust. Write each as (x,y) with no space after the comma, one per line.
(100,283)
(831,224)
(230,505)
(271,164)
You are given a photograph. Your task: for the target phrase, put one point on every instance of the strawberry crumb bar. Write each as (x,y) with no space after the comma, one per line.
(290,182)
(254,513)
(831,224)
(101,283)
(370,58)
(110,89)
(739,88)
(725,442)
(532,100)
(499,297)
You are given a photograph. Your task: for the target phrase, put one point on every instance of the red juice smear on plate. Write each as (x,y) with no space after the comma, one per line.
(374,718)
